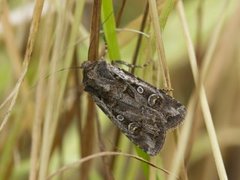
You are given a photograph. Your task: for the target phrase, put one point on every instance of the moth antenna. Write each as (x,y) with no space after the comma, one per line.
(167,90)
(117,62)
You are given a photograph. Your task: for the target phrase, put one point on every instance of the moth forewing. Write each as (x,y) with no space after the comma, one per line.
(141,111)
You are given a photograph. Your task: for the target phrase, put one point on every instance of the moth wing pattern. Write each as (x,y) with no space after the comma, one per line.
(147,137)
(172,110)
(141,111)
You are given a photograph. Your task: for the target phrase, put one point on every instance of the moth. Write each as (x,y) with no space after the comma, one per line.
(141,111)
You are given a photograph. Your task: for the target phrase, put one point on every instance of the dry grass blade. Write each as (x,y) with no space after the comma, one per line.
(120,13)
(139,41)
(31,40)
(95,29)
(48,128)
(162,59)
(101,154)
(106,168)
(9,97)
(183,138)
(141,33)
(37,122)
(51,118)
(159,43)
(88,137)
(203,99)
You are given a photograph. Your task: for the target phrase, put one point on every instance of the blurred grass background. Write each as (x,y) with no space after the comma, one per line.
(53,121)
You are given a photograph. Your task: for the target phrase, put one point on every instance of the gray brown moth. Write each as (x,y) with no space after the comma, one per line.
(141,111)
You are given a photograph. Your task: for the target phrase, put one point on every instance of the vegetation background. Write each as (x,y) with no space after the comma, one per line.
(48,124)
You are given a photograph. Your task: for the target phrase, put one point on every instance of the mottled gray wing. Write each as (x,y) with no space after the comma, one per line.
(142,112)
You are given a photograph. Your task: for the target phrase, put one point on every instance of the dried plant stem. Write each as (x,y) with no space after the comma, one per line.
(37,122)
(120,13)
(139,41)
(200,89)
(106,168)
(159,43)
(31,40)
(101,154)
(51,120)
(163,63)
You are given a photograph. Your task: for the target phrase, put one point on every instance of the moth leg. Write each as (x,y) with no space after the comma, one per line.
(104,50)
(167,90)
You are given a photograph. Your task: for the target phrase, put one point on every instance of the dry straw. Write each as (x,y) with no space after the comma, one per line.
(202,94)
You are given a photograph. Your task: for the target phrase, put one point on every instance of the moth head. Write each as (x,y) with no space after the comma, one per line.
(96,76)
